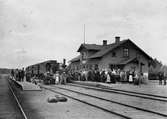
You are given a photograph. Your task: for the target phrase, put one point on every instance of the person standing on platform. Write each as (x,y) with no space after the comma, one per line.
(22,74)
(160,76)
(127,75)
(122,76)
(165,80)
(130,77)
(19,75)
(12,73)
(63,78)
(16,74)
(103,76)
(136,78)
(109,76)
(57,77)
(165,76)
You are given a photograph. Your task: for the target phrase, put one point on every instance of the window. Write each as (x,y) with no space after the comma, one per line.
(126,52)
(113,54)
(83,55)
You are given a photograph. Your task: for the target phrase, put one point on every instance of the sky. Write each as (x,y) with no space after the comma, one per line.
(33,31)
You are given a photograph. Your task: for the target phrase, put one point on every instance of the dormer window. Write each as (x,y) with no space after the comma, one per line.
(125,52)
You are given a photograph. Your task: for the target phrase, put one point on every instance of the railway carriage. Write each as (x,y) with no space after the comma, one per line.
(38,70)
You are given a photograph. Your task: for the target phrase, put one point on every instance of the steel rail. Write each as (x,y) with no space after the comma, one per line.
(107,87)
(98,107)
(18,103)
(138,108)
(120,92)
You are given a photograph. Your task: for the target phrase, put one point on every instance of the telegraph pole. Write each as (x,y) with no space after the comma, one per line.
(84,33)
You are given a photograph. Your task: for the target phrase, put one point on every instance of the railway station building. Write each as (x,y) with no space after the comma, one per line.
(122,54)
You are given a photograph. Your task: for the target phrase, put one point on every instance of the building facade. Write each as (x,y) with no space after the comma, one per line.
(124,55)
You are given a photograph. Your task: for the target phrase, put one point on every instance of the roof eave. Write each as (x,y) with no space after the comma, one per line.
(149,57)
(80,48)
(75,61)
(95,57)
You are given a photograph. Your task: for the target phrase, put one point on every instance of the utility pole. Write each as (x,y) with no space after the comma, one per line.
(84,33)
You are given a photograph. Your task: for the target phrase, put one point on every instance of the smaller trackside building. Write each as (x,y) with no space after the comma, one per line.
(125,55)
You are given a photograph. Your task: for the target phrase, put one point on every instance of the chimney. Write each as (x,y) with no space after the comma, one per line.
(117,39)
(64,61)
(104,42)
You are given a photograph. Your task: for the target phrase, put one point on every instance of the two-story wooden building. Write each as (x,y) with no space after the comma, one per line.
(125,55)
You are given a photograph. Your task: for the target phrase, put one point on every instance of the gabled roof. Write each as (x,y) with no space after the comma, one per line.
(90,47)
(107,49)
(113,46)
(141,50)
(104,49)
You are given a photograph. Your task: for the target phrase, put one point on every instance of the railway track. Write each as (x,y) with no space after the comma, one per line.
(90,104)
(10,107)
(107,104)
(123,92)
(17,101)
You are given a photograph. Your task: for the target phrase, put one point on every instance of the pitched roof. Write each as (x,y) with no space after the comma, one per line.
(106,49)
(112,46)
(90,47)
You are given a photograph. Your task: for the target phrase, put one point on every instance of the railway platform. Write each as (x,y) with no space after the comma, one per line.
(8,106)
(26,86)
(152,88)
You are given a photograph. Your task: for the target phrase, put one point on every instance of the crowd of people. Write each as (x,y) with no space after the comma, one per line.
(18,74)
(59,77)
(110,76)
(105,76)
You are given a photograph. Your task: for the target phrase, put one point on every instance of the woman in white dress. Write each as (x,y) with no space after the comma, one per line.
(56,76)
(130,77)
(108,78)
